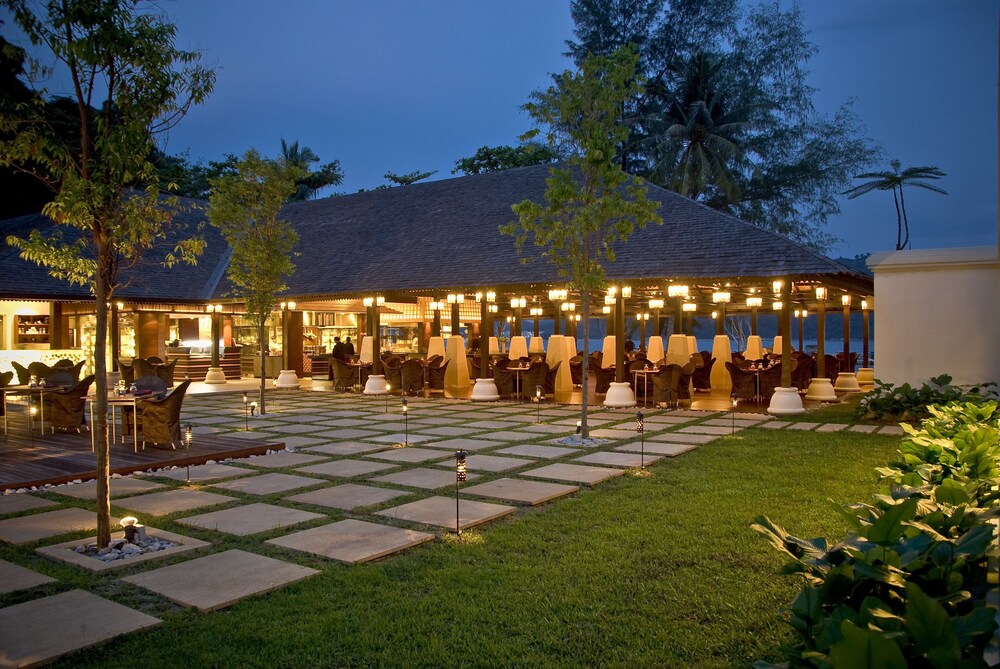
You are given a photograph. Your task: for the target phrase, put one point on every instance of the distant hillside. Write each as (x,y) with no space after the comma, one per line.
(858,263)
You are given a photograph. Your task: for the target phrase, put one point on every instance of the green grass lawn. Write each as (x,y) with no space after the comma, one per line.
(661,571)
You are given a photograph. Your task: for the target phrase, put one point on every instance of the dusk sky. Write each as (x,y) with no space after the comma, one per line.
(403,85)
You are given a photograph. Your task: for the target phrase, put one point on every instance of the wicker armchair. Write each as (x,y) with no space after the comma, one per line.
(411,377)
(504,381)
(534,377)
(127,370)
(64,379)
(64,408)
(832,369)
(157,388)
(702,376)
(665,385)
(23,375)
(435,376)
(847,365)
(341,375)
(40,370)
(143,367)
(804,372)
(160,419)
(604,377)
(550,378)
(684,384)
(165,371)
(744,383)
(576,369)
(5,379)
(391,368)
(769,380)
(435,360)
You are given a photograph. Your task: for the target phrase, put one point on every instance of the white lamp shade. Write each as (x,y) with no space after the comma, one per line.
(435,346)
(608,351)
(494,345)
(678,352)
(776,349)
(536,345)
(518,348)
(655,349)
(366,349)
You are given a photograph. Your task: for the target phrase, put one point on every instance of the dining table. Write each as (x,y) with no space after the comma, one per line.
(518,371)
(644,373)
(30,391)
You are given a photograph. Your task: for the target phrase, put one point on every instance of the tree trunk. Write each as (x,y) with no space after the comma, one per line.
(906,222)
(584,394)
(899,222)
(262,340)
(100,428)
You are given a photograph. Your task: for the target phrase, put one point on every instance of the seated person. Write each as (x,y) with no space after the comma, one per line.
(348,348)
(339,351)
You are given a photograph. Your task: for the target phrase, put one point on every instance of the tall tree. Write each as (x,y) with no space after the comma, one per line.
(497,158)
(895,180)
(407,179)
(246,206)
(311,181)
(590,204)
(125,51)
(767,156)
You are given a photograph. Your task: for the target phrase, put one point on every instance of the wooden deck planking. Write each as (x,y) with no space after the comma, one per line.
(59,458)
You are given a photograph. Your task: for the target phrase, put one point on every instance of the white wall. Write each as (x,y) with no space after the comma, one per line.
(938,313)
(10,309)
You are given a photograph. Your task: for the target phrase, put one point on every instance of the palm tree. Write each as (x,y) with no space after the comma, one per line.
(894,181)
(303,158)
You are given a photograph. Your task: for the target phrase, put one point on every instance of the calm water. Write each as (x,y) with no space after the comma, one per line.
(833,346)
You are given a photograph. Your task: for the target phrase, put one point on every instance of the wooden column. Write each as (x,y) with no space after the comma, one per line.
(620,338)
(865,332)
(753,320)
(57,327)
(821,335)
(720,322)
(436,325)
(116,336)
(216,335)
(294,341)
(786,333)
(845,366)
(486,328)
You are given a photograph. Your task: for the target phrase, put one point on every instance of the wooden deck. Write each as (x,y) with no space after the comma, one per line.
(59,458)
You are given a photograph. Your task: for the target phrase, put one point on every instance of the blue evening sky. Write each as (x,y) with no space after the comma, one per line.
(404,85)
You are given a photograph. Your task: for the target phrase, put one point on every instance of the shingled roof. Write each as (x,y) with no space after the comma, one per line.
(151,282)
(444,234)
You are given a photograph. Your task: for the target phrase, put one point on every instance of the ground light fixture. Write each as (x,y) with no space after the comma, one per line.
(460,475)
(246,412)
(640,427)
(387,389)
(253,408)
(538,404)
(405,405)
(188,439)
(579,426)
(132,527)
(32,412)
(735,402)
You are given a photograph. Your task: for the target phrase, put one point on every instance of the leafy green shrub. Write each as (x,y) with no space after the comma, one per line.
(957,444)
(905,589)
(907,403)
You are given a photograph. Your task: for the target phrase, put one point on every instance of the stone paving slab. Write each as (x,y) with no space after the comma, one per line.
(493,424)
(347,468)
(831,427)
(347,496)
(201,473)
(627,460)
(347,433)
(657,448)
(549,429)
(867,429)
(477,462)
(729,422)
(433,420)
(440,512)
(256,435)
(678,438)
(668,420)
(25,529)
(748,415)
(40,631)
(119,488)
(66,554)
(352,541)
(610,433)
(574,473)
(346,448)
(297,428)
(804,426)
(590,421)
(517,490)
(402,437)
(172,501)
(300,442)
(706,429)
(20,502)
(511,435)
(346,422)
(283,459)
(892,430)
(538,451)
(220,580)
(449,431)
(267,484)
(409,454)
(689,413)
(422,477)
(775,424)
(14,577)
(464,444)
(250,519)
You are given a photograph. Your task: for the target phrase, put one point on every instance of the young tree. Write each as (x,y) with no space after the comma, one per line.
(124,51)
(245,206)
(590,204)
(895,180)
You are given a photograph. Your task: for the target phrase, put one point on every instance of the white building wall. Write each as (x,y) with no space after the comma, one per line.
(938,313)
